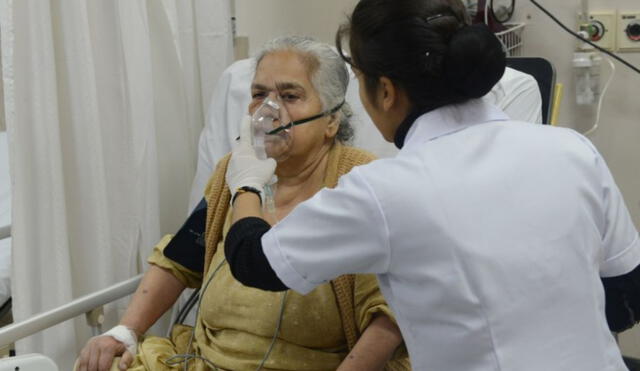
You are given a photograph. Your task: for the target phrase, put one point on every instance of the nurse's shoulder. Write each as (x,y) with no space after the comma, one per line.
(551,141)
(415,170)
(389,180)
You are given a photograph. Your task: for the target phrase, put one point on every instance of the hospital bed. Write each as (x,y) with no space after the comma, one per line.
(28,362)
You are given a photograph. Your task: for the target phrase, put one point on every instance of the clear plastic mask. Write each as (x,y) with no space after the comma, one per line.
(269,144)
(272,135)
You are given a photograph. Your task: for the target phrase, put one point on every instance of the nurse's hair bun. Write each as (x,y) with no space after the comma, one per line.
(474,61)
(426,47)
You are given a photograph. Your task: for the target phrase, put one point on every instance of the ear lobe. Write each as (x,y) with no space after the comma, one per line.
(332,127)
(388,93)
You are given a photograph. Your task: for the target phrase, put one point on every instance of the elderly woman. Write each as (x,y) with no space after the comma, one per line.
(344,324)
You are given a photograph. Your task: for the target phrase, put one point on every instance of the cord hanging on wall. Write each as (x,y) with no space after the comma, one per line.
(567,29)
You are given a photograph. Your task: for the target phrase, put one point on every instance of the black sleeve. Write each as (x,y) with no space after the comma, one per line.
(243,251)
(187,247)
(622,295)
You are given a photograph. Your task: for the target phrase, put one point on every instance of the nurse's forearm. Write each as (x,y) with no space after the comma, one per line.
(246,205)
(157,292)
(246,259)
(375,347)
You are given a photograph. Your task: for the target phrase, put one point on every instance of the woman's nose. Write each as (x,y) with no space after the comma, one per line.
(275,96)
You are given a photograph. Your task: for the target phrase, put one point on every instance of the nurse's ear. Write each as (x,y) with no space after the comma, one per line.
(392,99)
(388,94)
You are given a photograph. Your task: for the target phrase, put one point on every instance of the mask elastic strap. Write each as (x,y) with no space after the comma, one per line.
(304,121)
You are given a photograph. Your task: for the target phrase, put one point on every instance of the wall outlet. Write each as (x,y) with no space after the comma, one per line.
(601,27)
(629,31)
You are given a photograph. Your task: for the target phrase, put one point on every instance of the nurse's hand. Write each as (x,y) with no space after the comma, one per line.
(245,169)
(99,353)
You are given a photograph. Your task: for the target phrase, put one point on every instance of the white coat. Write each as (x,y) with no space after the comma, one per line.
(489,238)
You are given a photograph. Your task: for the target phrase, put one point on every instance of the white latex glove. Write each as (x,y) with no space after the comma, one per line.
(245,169)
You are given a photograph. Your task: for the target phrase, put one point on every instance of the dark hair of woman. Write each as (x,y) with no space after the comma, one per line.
(426,47)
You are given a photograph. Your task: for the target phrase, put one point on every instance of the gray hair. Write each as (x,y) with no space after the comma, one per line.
(329,75)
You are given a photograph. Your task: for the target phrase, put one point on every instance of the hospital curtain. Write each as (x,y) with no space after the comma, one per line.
(104,105)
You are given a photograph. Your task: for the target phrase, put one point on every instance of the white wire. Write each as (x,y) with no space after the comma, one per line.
(185,358)
(604,91)
(486,11)
(275,335)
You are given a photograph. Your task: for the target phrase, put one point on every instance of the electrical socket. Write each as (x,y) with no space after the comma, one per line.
(629,32)
(601,27)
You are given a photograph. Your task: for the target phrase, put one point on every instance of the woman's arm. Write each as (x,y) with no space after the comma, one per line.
(375,347)
(157,292)
(246,205)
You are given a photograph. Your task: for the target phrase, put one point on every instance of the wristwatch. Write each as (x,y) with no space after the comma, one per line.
(246,189)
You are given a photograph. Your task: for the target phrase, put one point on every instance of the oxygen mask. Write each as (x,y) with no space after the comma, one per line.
(270,138)
(272,128)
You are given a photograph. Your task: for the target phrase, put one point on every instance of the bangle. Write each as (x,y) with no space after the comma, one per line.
(246,189)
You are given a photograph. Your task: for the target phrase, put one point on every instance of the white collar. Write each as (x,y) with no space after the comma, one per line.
(449,119)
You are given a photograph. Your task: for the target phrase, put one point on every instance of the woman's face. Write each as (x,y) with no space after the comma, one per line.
(283,73)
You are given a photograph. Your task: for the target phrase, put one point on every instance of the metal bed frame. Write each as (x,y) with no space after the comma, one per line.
(90,305)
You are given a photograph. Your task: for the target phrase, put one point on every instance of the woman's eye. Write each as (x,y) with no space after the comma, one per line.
(259,95)
(289,97)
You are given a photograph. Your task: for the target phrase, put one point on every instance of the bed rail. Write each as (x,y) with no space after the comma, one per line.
(83,305)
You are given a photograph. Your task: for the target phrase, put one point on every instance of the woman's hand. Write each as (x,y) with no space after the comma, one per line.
(245,169)
(157,292)
(99,353)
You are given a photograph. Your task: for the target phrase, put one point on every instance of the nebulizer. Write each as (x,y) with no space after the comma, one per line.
(270,139)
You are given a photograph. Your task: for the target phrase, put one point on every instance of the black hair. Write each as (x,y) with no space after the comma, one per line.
(427,47)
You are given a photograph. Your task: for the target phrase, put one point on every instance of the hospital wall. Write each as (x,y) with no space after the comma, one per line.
(619,135)
(618,138)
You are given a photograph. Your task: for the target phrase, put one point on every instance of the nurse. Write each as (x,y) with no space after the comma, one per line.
(491,238)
